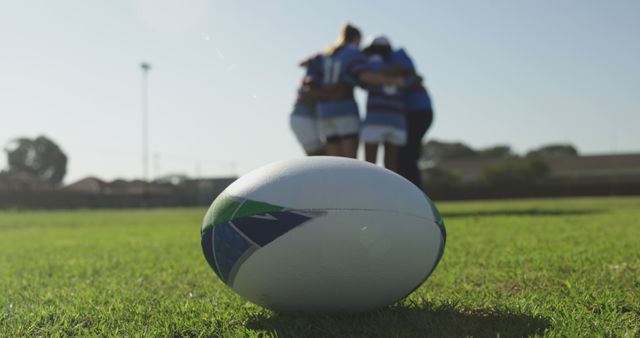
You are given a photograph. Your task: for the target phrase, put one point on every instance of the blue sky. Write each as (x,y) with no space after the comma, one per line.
(224,75)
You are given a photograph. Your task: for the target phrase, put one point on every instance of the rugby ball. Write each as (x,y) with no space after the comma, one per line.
(322,234)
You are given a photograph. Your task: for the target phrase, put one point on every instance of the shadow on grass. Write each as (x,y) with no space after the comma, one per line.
(525,212)
(399,321)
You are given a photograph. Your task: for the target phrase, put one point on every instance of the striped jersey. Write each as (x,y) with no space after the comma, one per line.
(385,104)
(343,67)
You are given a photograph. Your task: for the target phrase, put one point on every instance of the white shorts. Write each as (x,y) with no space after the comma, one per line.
(338,126)
(381,134)
(306,130)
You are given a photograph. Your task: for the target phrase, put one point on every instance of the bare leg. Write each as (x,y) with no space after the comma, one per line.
(350,146)
(333,148)
(320,152)
(371,152)
(391,156)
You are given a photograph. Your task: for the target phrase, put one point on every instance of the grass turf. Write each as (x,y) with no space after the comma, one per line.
(556,267)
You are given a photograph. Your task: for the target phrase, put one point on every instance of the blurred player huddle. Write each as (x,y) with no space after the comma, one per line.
(326,119)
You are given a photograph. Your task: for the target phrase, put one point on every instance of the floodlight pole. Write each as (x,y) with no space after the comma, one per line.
(146,67)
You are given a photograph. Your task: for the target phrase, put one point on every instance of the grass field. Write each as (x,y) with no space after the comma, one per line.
(556,267)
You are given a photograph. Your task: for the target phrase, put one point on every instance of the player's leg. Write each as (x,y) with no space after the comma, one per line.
(319,152)
(422,123)
(334,146)
(349,144)
(319,146)
(372,135)
(371,152)
(391,156)
(404,157)
(395,139)
(417,124)
(348,128)
(329,131)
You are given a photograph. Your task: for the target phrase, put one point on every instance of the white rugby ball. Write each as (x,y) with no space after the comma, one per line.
(323,234)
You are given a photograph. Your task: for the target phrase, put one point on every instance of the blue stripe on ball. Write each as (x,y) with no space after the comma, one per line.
(207,249)
(265,228)
(228,246)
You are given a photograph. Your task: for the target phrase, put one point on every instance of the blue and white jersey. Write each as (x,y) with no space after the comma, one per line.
(304,104)
(310,77)
(416,98)
(343,67)
(385,104)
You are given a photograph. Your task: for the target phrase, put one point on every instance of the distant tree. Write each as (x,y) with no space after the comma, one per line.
(499,151)
(39,157)
(554,150)
(441,177)
(520,171)
(438,150)
(3,177)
